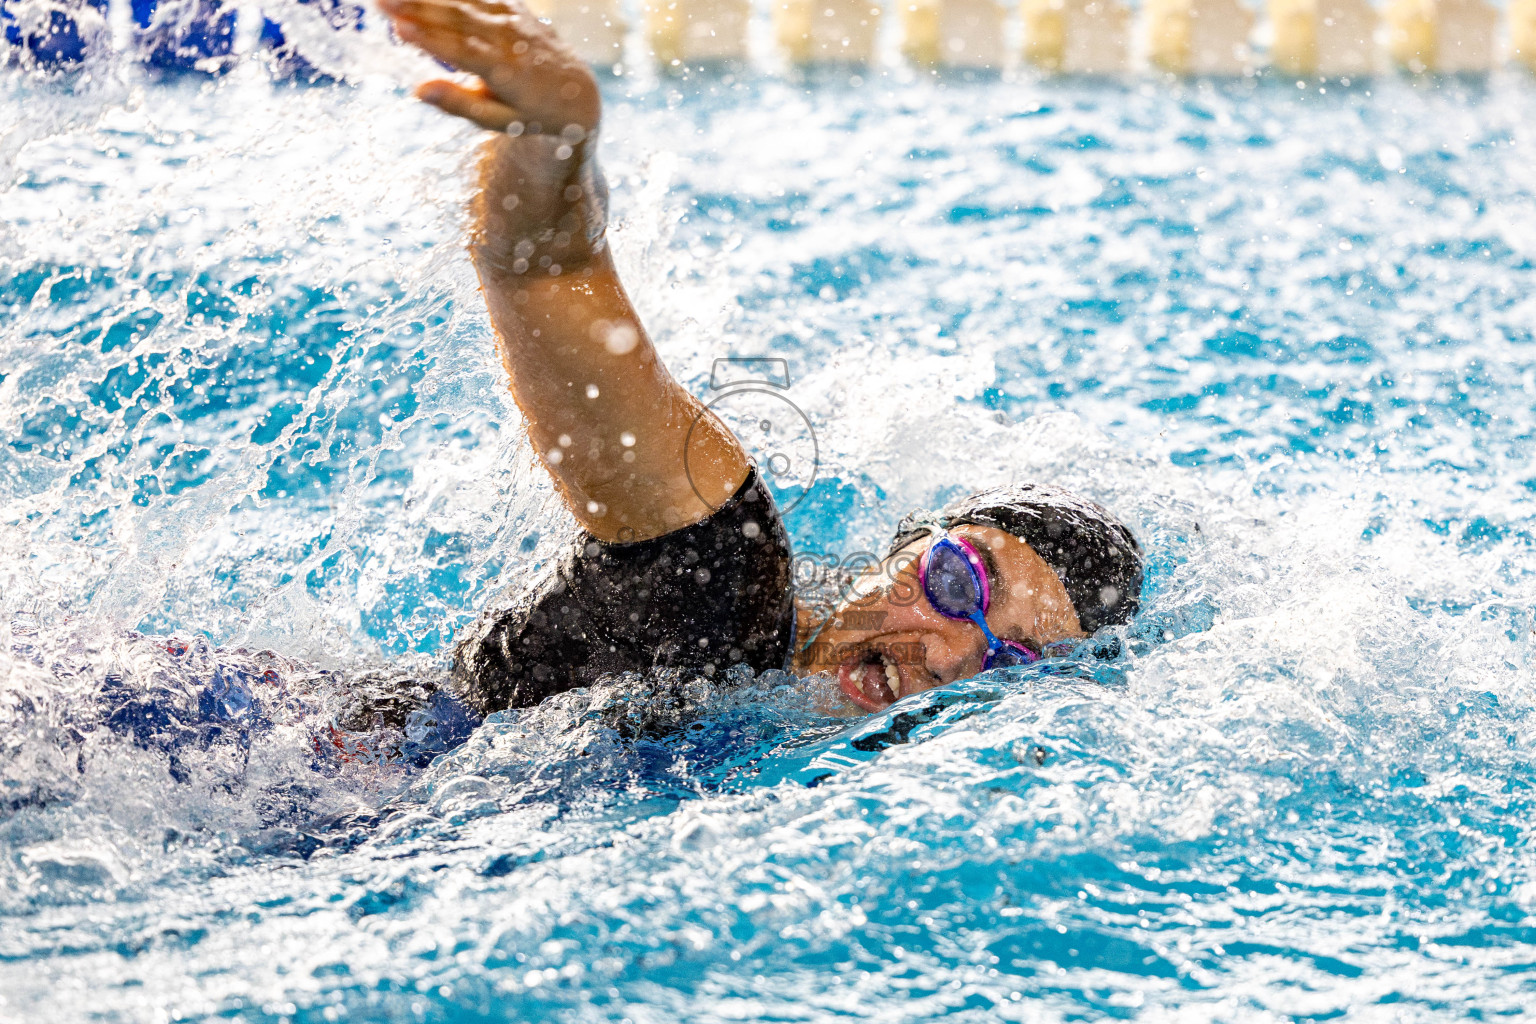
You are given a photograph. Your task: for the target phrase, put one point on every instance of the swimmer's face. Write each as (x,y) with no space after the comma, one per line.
(886,641)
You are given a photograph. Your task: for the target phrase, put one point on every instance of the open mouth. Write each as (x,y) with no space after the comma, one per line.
(872,682)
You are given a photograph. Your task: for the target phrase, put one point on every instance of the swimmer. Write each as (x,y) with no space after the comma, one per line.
(684,563)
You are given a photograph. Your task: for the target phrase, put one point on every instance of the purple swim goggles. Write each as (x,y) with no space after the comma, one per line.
(954,580)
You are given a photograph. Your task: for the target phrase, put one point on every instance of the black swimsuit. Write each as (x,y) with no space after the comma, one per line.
(703,598)
(700,599)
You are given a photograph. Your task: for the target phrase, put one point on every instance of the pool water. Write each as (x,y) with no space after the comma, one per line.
(258,453)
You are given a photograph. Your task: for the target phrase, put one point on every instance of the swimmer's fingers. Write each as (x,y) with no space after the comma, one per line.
(508,12)
(495,22)
(463,52)
(473,104)
(523,64)
(438,13)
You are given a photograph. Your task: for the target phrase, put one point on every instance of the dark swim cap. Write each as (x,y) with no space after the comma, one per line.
(1098,560)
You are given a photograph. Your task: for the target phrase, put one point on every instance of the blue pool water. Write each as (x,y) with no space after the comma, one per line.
(257,452)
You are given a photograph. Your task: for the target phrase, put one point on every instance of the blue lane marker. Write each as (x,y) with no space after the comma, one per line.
(176,36)
(52,38)
(338,14)
(173,35)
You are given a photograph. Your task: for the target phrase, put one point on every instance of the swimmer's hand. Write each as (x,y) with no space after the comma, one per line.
(633,454)
(526,78)
(541,209)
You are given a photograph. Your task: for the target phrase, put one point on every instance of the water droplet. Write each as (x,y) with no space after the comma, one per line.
(621,338)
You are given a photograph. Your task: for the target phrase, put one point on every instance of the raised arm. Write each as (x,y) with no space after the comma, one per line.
(633,454)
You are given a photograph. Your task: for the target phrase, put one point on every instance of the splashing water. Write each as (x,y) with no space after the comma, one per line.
(258,454)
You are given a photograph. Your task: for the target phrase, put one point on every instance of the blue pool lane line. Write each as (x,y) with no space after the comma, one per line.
(287,61)
(62,40)
(195,36)
(177,36)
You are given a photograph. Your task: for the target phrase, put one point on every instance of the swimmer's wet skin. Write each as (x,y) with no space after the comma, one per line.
(685,563)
